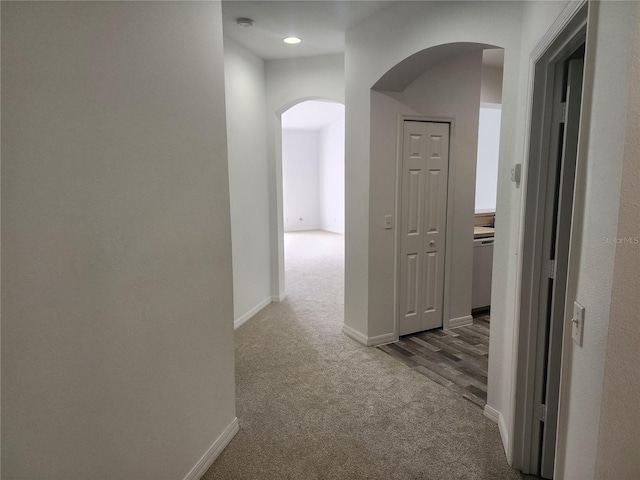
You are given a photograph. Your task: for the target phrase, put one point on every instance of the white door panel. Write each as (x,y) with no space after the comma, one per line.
(430,282)
(414,199)
(425,165)
(412,284)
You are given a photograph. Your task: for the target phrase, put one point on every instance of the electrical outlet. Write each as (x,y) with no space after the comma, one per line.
(388,222)
(577,323)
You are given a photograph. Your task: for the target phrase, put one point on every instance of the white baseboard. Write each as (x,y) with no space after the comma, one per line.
(356,335)
(493,414)
(382,339)
(251,313)
(368,341)
(279,298)
(330,230)
(200,468)
(458,322)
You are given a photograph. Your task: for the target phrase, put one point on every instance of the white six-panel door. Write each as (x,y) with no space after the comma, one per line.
(423,216)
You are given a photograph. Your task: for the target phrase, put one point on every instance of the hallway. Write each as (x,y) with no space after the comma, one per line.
(312,403)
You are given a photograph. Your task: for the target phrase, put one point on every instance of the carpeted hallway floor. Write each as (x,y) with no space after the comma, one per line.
(314,404)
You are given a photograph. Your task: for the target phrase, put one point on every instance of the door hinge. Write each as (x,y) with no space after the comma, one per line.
(559,112)
(541,413)
(550,269)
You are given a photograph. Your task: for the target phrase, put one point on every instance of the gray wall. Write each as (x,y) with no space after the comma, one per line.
(117,354)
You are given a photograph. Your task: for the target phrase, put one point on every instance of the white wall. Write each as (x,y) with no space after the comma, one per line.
(301,179)
(609,48)
(313,166)
(248,178)
(372,48)
(488,154)
(450,89)
(604,116)
(117,351)
(513,145)
(331,176)
(371,52)
(491,90)
(288,82)
(619,442)
(291,80)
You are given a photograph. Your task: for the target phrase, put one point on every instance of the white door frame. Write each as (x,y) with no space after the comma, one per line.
(567,33)
(449,225)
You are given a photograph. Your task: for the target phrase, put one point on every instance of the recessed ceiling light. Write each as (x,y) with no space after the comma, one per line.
(291,40)
(244,22)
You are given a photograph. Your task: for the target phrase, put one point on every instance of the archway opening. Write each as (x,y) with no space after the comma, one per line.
(313,212)
(435,113)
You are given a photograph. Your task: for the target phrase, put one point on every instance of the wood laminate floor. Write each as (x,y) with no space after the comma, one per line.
(457,358)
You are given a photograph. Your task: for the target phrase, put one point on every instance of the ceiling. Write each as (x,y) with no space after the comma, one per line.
(311,115)
(320,25)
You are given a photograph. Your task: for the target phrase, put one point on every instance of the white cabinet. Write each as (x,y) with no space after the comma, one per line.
(482,265)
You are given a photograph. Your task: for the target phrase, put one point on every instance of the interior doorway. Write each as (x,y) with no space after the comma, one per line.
(438,335)
(547,230)
(485,209)
(312,177)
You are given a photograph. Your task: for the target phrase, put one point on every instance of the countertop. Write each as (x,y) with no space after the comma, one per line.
(483,232)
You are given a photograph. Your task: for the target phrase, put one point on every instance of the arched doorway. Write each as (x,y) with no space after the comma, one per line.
(444,87)
(312,184)
(324,119)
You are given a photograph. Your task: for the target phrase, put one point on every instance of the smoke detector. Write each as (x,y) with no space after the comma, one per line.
(244,22)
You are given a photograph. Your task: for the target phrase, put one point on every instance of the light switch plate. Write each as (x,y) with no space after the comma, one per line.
(516,173)
(577,323)
(388,222)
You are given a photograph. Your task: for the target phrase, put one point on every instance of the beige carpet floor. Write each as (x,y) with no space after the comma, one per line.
(314,404)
